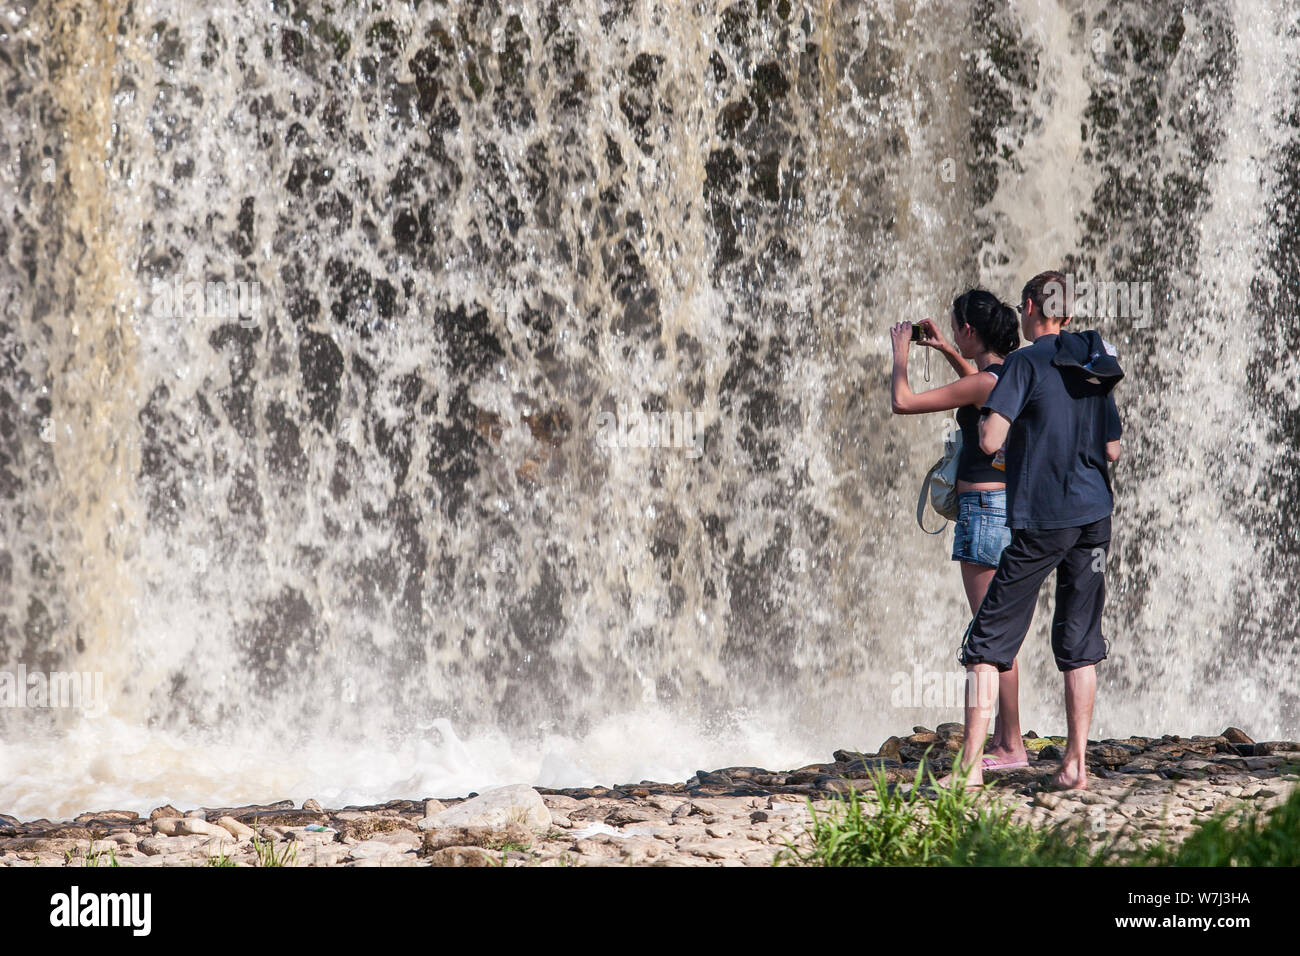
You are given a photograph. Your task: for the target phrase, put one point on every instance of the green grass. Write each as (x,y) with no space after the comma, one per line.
(927,826)
(931,826)
(1243,837)
(94,857)
(267,855)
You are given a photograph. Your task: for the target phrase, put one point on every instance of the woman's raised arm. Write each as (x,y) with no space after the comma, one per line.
(935,340)
(971,389)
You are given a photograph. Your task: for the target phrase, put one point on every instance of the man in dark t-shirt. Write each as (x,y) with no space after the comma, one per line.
(1053,409)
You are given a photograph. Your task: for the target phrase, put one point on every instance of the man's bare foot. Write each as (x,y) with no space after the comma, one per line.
(1070,777)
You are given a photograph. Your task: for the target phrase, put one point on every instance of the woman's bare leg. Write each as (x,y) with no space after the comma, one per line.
(1006,744)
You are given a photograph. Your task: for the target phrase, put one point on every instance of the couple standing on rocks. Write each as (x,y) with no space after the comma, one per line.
(1045,506)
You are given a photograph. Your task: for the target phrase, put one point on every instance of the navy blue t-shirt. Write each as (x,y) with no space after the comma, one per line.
(1057,472)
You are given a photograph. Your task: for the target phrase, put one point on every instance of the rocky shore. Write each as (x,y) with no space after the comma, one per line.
(1141,788)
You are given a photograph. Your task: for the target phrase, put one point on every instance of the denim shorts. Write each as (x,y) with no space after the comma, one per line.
(981,530)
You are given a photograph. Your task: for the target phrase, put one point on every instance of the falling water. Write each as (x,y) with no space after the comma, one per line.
(314,320)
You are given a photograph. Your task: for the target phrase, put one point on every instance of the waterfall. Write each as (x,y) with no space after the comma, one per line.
(401,399)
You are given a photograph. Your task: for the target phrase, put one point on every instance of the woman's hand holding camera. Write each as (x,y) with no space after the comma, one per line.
(931,337)
(901,336)
(924,332)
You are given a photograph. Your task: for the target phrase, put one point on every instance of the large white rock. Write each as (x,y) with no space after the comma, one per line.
(517,803)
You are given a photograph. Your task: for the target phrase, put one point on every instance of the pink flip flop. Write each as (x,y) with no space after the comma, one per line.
(991,763)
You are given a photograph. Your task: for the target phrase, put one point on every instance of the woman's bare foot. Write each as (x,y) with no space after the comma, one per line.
(1003,755)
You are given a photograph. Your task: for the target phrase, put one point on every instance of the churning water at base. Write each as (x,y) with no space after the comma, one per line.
(335,346)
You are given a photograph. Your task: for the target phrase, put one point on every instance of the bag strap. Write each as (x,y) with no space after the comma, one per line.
(925,496)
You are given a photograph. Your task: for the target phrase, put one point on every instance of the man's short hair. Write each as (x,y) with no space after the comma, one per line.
(1047,291)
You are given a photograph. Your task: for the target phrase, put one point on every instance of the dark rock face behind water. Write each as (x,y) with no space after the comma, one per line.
(1141,788)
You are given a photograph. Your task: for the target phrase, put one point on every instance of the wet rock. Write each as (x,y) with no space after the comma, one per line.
(621,816)
(1236,736)
(890,749)
(106,817)
(362,827)
(835,784)
(810,773)
(281,818)
(65,832)
(166,810)
(862,769)
(1109,755)
(714,779)
(1263,763)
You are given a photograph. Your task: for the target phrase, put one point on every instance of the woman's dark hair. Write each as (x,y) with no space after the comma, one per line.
(993,320)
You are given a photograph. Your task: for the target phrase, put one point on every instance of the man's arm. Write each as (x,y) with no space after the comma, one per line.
(1006,402)
(1114,429)
(993,431)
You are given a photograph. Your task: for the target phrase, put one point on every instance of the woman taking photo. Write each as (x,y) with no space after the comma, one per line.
(985,331)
